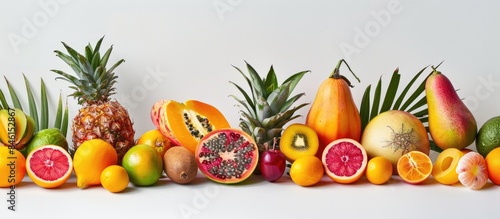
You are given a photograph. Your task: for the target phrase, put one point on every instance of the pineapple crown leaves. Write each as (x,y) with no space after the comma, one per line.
(415,104)
(42,122)
(267,108)
(93,82)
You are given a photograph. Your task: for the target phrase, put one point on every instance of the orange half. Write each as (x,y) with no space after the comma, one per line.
(414,167)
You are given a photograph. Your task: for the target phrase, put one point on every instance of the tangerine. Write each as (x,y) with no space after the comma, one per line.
(155,139)
(12,167)
(493,165)
(379,170)
(114,178)
(472,171)
(414,167)
(307,170)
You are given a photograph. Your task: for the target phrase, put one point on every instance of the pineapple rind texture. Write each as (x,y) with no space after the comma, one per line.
(93,84)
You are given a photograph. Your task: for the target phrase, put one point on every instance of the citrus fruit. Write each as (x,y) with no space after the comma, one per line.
(49,166)
(414,167)
(306,170)
(472,171)
(143,164)
(90,159)
(488,136)
(344,160)
(378,170)
(298,140)
(493,165)
(12,167)
(114,178)
(393,133)
(52,136)
(155,139)
(444,169)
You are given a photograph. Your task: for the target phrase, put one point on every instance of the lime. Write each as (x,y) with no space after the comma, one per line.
(51,136)
(488,137)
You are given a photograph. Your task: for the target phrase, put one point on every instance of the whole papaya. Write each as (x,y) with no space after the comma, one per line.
(333,113)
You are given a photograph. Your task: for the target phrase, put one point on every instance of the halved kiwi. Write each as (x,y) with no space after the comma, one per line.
(298,140)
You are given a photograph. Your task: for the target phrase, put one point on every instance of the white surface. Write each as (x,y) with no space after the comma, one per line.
(188,47)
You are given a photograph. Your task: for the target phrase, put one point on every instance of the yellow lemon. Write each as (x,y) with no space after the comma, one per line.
(90,159)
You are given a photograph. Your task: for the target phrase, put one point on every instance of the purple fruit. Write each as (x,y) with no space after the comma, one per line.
(272,165)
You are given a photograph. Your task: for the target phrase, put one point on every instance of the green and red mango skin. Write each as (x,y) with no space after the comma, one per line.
(451,123)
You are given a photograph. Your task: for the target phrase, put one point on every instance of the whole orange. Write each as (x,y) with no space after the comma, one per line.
(378,170)
(12,167)
(307,170)
(114,178)
(493,165)
(155,139)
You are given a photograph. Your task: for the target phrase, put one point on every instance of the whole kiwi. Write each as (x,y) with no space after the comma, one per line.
(180,165)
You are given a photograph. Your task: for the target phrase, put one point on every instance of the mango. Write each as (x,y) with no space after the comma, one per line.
(16,128)
(451,123)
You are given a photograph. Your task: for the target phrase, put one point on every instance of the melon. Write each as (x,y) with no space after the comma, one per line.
(394,133)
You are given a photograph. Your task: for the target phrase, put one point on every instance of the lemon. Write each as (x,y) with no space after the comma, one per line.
(488,137)
(90,159)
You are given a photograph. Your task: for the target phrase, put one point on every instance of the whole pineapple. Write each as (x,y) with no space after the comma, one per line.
(99,117)
(267,109)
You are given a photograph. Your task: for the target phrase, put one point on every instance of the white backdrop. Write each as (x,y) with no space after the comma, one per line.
(184,49)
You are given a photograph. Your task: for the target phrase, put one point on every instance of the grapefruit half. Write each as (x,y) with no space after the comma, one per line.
(49,166)
(344,160)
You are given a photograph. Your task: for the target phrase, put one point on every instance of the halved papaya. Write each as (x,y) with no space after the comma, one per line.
(190,121)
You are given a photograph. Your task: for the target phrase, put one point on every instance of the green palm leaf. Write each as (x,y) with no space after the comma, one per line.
(42,119)
(415,104)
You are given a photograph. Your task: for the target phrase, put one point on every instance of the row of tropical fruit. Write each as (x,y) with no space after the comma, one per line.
(336,139)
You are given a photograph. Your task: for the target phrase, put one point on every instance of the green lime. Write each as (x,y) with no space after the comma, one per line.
(47,136)
(488,137)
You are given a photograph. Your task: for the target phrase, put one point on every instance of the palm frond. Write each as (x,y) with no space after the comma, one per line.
(415,104)
(41,120)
